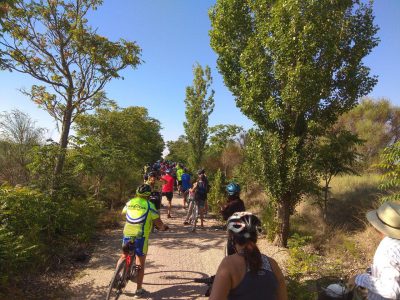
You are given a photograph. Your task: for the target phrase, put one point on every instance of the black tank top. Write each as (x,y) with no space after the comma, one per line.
(257,286)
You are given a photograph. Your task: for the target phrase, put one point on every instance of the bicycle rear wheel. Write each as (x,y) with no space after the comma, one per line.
(195,215)
(118,281)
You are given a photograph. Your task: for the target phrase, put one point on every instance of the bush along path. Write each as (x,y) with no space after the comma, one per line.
(174,258)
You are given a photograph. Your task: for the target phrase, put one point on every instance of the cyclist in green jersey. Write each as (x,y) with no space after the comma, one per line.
(140,216)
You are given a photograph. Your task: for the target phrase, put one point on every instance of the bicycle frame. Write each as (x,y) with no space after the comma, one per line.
(126,270)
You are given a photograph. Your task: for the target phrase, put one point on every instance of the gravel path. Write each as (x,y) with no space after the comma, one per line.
(174,258)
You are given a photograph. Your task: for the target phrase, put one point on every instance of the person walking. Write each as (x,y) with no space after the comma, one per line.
(168,189)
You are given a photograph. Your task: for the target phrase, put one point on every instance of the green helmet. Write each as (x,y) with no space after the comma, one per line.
(143,191)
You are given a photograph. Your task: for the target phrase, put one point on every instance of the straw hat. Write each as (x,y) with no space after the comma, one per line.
(386,219)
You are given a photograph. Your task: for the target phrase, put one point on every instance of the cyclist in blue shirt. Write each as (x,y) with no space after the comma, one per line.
(186,185)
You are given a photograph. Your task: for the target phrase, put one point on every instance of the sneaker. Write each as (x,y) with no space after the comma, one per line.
(186,223)
(169,217)
(140,293)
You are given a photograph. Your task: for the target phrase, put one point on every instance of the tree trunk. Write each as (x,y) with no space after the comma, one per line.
(63,144)
(283,215)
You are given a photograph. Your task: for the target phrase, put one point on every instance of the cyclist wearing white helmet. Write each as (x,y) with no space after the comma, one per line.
(247,274)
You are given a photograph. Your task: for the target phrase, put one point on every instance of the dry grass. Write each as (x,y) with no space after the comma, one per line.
(346,243)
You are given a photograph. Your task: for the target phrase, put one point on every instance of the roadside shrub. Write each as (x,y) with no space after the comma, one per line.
(216,195)
(35,227)
(268,220)
(301,262)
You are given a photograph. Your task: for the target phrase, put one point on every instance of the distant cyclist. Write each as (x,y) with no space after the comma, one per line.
(186,185)
(234,203)
(168,189)
(247,274)
(156,186)
(179,173)
(199,191)
(140,215)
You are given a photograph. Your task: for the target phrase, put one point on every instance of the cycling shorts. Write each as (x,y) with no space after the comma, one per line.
(201,203)
(169,195)
(140,246)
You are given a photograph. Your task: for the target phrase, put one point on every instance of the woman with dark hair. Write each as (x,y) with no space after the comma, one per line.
(247,274)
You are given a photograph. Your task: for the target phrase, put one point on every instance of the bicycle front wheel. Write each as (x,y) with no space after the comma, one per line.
(118,281)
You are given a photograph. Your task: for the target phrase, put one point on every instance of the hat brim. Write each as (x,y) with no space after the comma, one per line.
(372,217)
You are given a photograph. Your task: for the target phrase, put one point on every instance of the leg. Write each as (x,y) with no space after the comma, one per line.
(169,198)
(140,261)
(201,211)
(169,208)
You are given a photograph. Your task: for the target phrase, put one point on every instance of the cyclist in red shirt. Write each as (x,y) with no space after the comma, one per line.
(168,189)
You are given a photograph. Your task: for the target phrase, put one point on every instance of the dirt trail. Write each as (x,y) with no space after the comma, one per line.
(174,258)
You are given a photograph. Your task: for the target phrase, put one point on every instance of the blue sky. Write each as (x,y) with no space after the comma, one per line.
(173,36)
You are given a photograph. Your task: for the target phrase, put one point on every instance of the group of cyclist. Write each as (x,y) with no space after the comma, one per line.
(245,273)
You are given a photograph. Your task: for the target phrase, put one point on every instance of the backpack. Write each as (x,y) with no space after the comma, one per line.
(201,190)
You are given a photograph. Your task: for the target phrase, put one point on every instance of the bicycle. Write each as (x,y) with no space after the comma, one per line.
(126,270)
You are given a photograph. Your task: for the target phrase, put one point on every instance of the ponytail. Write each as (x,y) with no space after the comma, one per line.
(251,253)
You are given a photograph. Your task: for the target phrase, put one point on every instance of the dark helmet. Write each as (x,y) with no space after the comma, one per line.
(244,224)
(201,172)
(168,171)
(152,174)
(143,191)
(232,189)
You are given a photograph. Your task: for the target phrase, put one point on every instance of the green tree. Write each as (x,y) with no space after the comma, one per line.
(376,122)
(336,155)
(222,135)
(199,103)
(293,66)
(390,163)
(18,135)
(52,42)
(114,146)
(178,150)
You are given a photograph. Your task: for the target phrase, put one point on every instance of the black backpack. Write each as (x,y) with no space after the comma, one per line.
(201,190)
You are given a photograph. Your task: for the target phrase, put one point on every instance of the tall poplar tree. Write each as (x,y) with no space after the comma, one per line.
(293,66)
(199,103)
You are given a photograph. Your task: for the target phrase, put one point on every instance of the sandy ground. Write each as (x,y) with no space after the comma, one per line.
(174,259)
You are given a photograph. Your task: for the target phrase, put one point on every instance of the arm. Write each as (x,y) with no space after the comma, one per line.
(222,282)
(281,292)
(193,188)
(160,225)
(386,285)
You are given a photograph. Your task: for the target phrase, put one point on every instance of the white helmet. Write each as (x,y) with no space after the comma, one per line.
(244,223)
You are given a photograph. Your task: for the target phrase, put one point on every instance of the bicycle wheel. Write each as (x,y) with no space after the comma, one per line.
(133,270)
(195,214)
(118,281)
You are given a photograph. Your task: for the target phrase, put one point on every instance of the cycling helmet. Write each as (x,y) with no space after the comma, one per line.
(152,174)
(244,224)
(201,172)
(168,171)
(143,191)
(232,189)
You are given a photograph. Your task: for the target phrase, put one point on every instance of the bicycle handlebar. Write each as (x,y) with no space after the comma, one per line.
(207,280)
